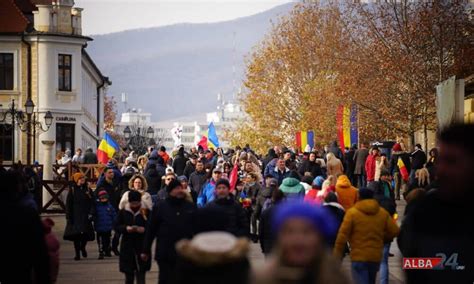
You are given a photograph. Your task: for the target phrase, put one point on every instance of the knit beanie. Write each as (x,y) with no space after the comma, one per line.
(172,185)
(103,193)
(110,165)
(318,182)
(77,176)
(319,217)
(365,193)
(223,182)
(134,196)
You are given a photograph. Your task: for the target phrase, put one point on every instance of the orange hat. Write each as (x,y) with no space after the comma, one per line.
(77,176)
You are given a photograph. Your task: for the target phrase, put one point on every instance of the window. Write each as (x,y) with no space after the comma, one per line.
(6,71)
(64,137)
(64,72)
(6,139)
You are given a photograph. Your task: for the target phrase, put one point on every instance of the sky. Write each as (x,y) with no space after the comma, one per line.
(107,16)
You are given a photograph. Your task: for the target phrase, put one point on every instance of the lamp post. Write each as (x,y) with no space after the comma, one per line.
(138,138)
(25,125)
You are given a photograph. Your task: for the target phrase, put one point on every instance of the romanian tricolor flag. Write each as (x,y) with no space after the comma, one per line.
(403,169)
(305,138)
(212,140)
(347,129)
(107,149)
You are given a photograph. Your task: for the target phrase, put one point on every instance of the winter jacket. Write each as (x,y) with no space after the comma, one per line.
(418,159)
(435,226)
(384,194)
(90,158)
(334,148)
(79,209)
(394,161)
(349,163)
(179,163)
(335,167)
(370,167)
(53,245)
(113,190)
(265,233)
(312,196)
(359,157)
(347,195)
(292,188)
(367,227)
(338,212)
(280,176)
(207,193)
(223,214)
(268,158)
(197,181)
(189,169)
(132,244)
(380,164)
(270,167)
(104,217)
(312,167)
(147,203)
(171,220)
(153,175)
(263,195)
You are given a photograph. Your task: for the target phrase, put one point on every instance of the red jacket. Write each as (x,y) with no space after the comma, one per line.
(52,245)
(370,167)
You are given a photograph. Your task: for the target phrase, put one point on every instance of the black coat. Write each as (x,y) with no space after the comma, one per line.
(433,226)
(171,220)
(179,164)
(338,212)
(265,233)
(189,169)
(349,163)
(311,167)
(418,159)
(131,245)
(263,195)
(197,181)
(223,215)
(22,245)
(388,203)
(79,209)
(90,158)
(153,179)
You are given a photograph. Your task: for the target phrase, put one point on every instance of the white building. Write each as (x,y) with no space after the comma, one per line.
(43,58)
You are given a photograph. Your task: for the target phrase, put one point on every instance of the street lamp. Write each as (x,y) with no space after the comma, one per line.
(150,132)
(25,125)
(127,132)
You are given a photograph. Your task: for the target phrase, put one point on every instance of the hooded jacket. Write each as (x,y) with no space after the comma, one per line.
(179,162)
(207,193)
(292,188)
(366,226)
(347,195)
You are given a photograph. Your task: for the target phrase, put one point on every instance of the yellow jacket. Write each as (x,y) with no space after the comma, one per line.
(366,226)
(347,195)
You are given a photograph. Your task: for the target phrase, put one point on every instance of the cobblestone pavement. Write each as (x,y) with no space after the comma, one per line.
(92,270)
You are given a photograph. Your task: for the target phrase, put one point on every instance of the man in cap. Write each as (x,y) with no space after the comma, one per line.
(207,193)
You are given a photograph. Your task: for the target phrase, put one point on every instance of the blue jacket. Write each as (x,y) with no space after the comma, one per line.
(104,217)
(270,167)
(207,193)
(279,175)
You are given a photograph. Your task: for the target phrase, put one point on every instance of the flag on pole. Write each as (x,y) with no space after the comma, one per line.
(107,149)
(234,176)
(347,128)
(203,143)
(212,140)
(305,138)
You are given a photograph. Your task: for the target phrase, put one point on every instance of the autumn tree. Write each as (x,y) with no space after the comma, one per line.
(387,58)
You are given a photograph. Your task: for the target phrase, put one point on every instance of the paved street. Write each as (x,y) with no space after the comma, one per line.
(92,270)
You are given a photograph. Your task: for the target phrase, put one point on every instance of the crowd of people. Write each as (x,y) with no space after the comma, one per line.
(307,211)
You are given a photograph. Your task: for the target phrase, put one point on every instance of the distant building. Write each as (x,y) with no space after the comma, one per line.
(43,58)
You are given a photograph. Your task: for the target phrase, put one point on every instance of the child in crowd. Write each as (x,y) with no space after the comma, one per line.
(52,244)
(104,219)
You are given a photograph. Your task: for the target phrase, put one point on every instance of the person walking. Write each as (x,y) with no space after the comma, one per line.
(198,177)
(137,183)
(334,165)
(131,223)
(153,175)
(349,163)
(280,171)
(418,160)
(360,157)
(207,193)
(371,164)
(346,193)
(79,204)
(399,156)
(266,236)
(104,218)
(171,220)
(190,166)
(224,213)
(179,162)
(310,166)
(366,226)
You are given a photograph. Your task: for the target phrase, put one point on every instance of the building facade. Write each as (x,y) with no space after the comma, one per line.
(43,58)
